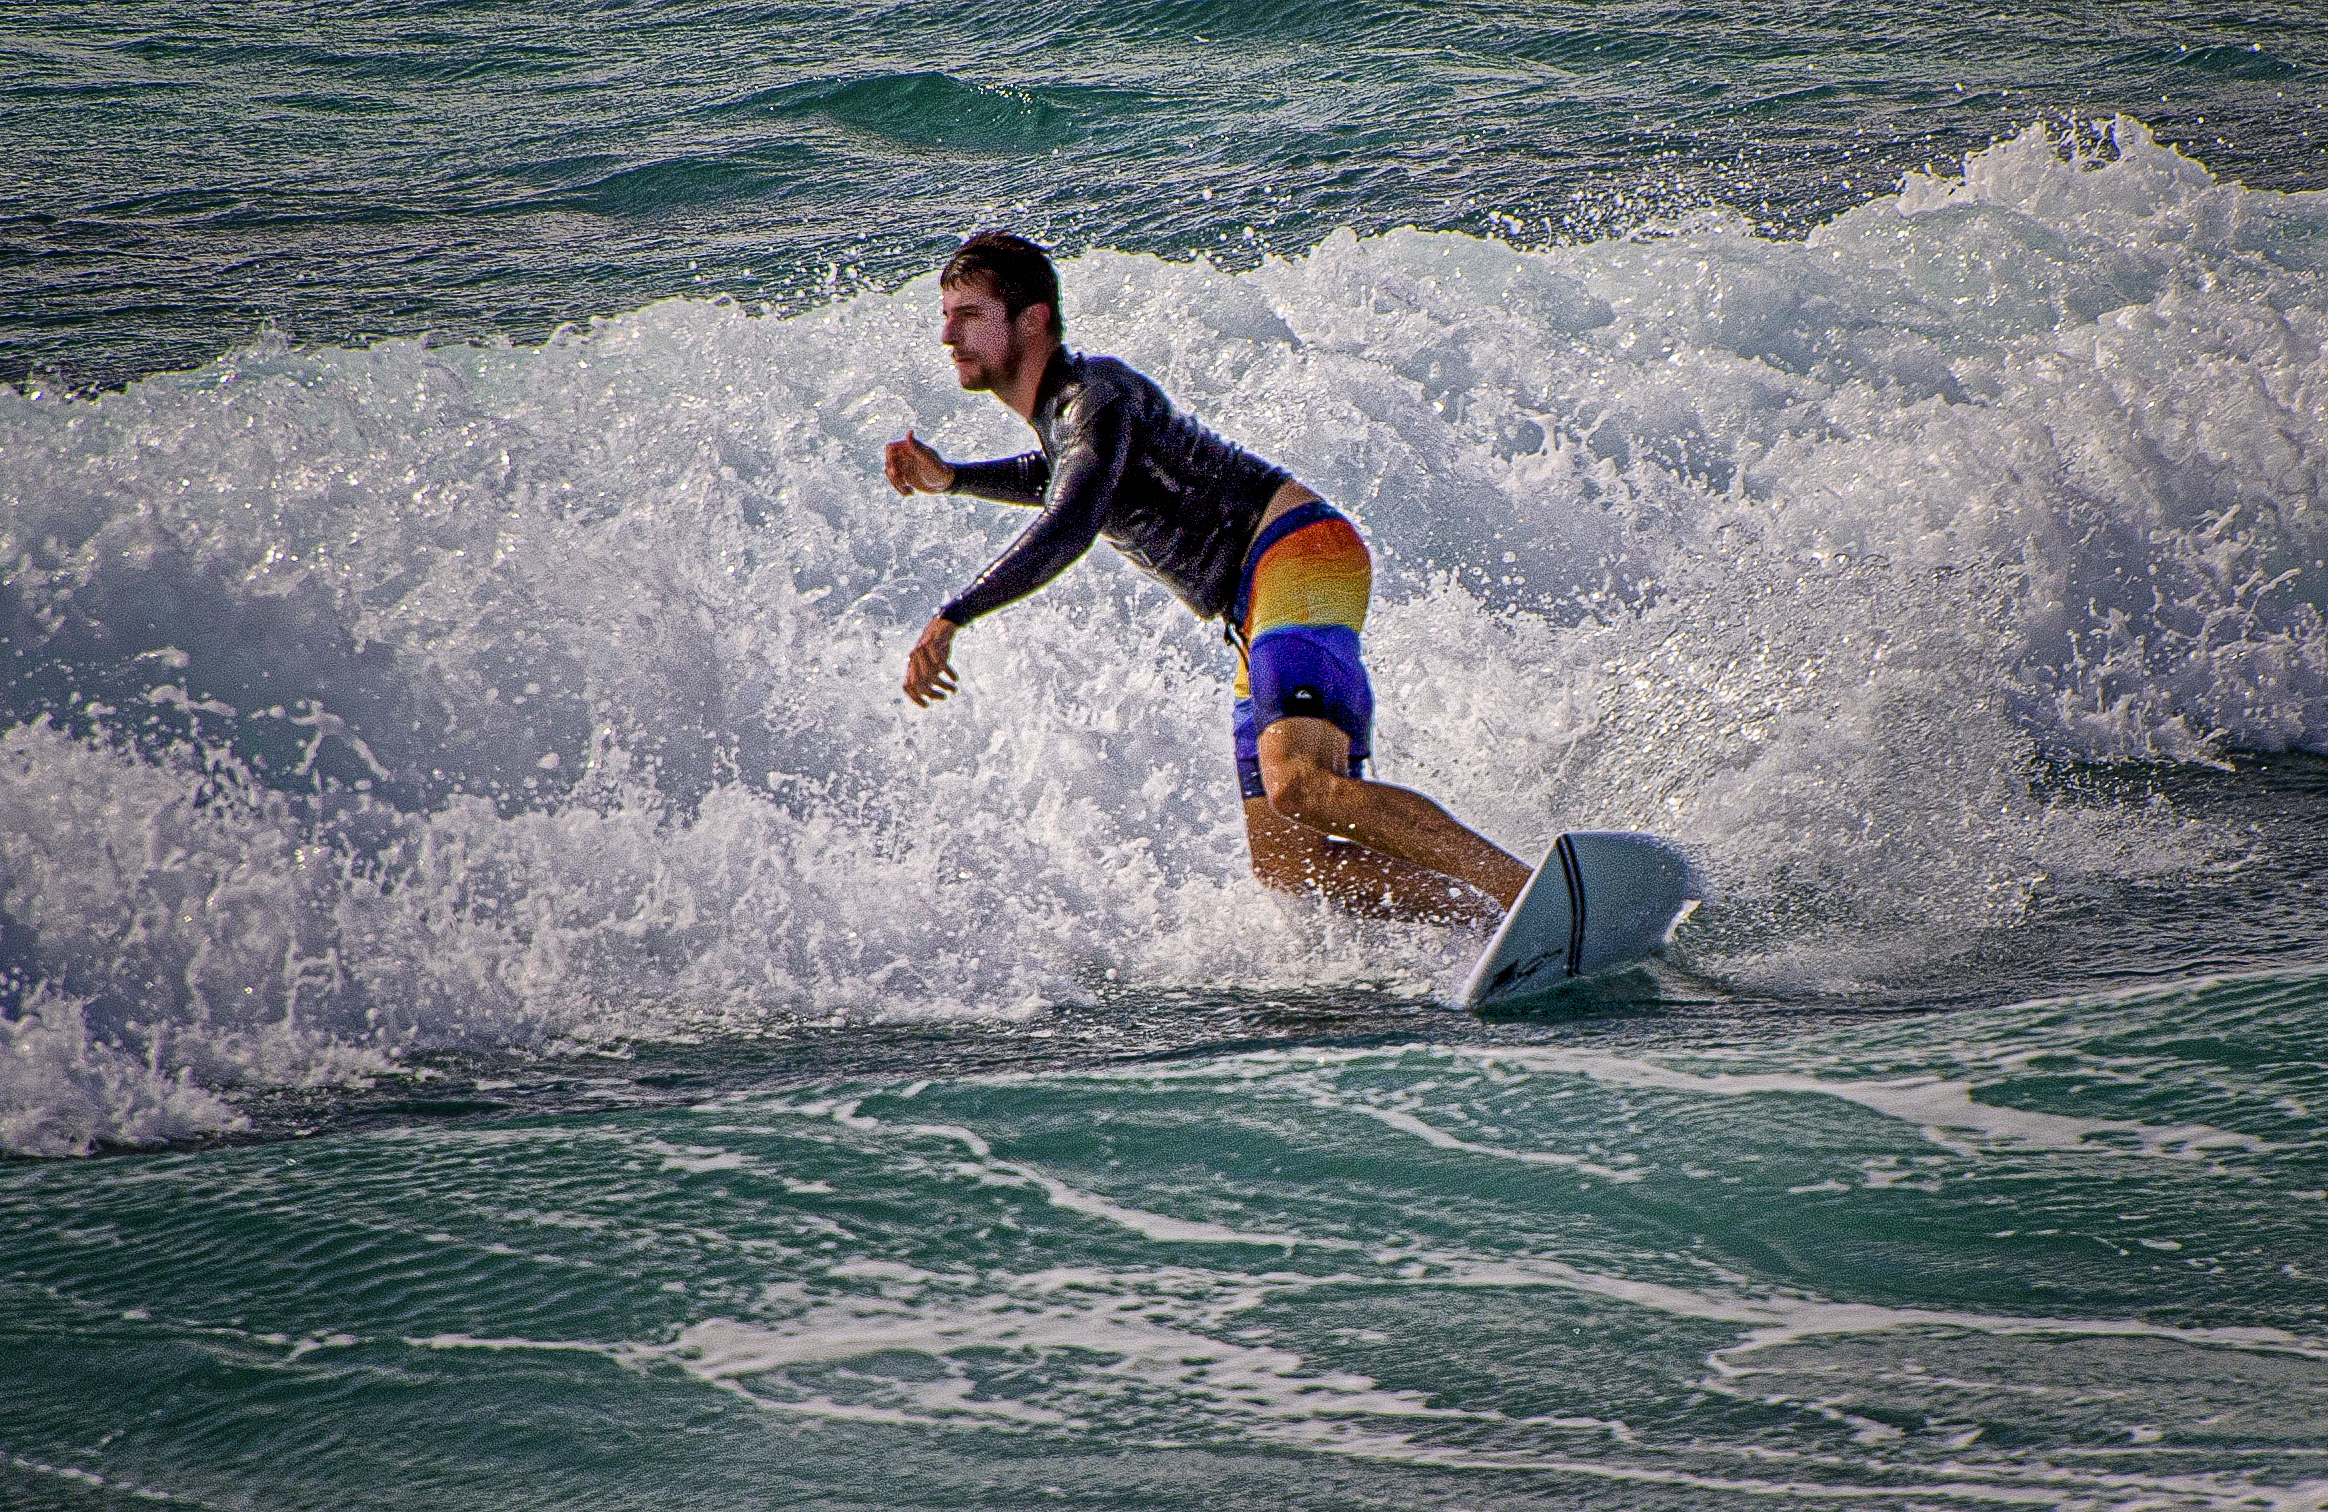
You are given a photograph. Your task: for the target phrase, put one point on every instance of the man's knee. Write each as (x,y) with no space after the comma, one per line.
(1304,792)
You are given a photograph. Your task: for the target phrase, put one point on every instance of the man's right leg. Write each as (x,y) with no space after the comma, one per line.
(1304,707)
(1294,858)
(1305,774)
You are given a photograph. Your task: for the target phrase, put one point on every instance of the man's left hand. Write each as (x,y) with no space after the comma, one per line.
(911,467)
(929,672)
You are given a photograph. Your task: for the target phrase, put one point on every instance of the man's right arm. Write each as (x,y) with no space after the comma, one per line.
(1091,464)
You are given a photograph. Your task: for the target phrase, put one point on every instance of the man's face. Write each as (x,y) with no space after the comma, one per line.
(985,343)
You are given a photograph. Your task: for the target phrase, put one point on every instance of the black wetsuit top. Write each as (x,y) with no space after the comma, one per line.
(1118,460)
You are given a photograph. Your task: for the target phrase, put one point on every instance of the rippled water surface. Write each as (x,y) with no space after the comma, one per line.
(183,171)
(502,1004)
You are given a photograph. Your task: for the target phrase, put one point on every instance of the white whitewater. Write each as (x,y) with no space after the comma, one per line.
(573,669)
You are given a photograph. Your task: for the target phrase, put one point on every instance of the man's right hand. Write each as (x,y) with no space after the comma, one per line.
(912,467)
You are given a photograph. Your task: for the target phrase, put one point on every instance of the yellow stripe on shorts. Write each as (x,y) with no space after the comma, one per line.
(1317,575)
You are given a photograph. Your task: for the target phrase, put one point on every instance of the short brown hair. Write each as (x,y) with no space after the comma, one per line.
(1019,273)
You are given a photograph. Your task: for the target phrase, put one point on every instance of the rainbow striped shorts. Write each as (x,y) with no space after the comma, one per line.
(1300,605)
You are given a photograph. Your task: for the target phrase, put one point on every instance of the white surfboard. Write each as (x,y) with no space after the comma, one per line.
(1603,899)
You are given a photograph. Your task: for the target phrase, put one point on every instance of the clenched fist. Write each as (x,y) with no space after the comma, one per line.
(911,467)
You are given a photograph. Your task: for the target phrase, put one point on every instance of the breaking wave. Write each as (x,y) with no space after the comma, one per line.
(365,701)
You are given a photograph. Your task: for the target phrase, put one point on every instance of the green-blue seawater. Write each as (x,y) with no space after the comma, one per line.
(503,1005)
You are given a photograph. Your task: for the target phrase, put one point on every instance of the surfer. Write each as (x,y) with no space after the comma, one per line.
(1236,538)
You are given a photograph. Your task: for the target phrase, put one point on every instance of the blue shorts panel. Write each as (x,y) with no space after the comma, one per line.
(1306,672)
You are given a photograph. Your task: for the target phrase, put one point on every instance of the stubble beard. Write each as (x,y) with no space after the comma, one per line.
(974,376)
(981,375)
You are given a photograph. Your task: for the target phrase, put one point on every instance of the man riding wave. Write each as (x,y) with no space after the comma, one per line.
(1236,538)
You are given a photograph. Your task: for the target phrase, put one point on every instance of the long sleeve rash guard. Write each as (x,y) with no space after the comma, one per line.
(1118,460)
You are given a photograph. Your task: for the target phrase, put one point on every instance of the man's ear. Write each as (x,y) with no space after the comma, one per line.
(1034,321)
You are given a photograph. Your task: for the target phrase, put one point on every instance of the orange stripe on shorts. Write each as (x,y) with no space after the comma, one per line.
(1317,575)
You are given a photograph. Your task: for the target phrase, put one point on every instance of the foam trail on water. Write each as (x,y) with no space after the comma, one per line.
(371,700)
(1167,1342)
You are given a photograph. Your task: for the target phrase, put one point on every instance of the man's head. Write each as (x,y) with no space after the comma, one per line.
(1012,269)
(1000,297)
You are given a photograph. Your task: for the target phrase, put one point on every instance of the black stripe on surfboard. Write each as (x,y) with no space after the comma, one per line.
(1574,877)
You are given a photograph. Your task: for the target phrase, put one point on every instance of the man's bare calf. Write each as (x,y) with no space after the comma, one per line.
(1403,849)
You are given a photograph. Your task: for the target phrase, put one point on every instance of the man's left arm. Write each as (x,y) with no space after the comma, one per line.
(912,466)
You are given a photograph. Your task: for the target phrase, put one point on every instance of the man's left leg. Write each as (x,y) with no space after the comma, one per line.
(1305,770)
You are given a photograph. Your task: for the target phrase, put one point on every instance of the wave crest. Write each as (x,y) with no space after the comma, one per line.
(416,697)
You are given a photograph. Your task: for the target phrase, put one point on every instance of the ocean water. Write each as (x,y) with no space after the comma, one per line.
(502,1004)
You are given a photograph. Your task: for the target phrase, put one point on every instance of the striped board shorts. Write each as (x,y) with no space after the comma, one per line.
(1301,602)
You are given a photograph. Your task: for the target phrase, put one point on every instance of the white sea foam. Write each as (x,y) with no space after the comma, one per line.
(1771,1321)
(61,1093)
(1949,1111)
(1941,1109)
(1162,1228)
(533,696)
(1407,1123)
(1167,1353)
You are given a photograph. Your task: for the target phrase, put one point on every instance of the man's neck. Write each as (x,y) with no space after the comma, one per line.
(1024,387)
